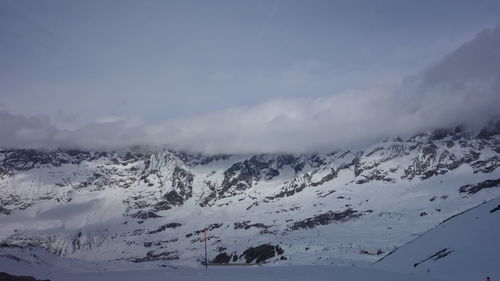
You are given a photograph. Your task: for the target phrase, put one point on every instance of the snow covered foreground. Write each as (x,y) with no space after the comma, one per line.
(42,265)
(464,247)
(290,273)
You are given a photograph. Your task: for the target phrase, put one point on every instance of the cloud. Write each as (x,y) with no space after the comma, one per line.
(462,88)
(20,131)
(475,61)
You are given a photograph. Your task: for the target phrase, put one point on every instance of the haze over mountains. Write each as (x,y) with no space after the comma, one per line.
(461,89)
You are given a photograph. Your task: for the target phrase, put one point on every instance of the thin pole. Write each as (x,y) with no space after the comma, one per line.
(206,257)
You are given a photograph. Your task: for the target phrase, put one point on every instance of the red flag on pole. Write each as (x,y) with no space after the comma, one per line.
(206,256)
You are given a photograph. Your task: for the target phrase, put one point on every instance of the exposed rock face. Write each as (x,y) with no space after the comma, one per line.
(495,209)
(222,258)
(326,218)
(165,227)
(261,253)
(182,189)
(151,256)
(490,132)
(296,185)
(258,254)
(474,188)
(241,175)
(247,225)
(436,256)
(375,175)
(486,166)
(432,161)
(26,159)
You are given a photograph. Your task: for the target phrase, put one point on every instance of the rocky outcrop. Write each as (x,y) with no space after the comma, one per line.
(474,188)
(326,218)
(261,253)
(182,190)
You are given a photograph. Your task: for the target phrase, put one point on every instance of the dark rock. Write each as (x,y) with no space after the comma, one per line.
(375,175)
(4,211)
(495,209)
(241,175)
(438,255)
(326,194)
(193,159)
(164,227)
(26,159)
(326,218)
(182,189)
(271,173)
(279,251)
(357,166)
(490,131)
(182,181)
(432,163)
(259,254)
(374,151)
(298,167)
(474,188)
(7,277)
(151,256)
(486,166)
(209,228)
(246,225)
(222,258)
(332,175)
(170,199)
(289,191)
(439,134)
(145,215)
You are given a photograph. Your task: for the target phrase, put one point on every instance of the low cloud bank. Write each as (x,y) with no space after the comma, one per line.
(461,89)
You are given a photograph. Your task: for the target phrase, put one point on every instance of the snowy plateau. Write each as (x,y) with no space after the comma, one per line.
(422,208)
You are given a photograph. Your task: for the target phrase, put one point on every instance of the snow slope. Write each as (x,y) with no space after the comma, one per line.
(35,262)
(464,247)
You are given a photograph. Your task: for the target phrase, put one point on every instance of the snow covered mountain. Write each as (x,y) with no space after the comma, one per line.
(342,207)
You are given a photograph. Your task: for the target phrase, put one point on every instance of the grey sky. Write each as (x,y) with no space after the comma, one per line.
(168,67)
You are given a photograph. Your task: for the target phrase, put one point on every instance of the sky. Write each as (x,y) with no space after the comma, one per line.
(243,76)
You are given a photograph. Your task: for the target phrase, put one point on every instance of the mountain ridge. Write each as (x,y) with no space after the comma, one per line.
(152,206)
